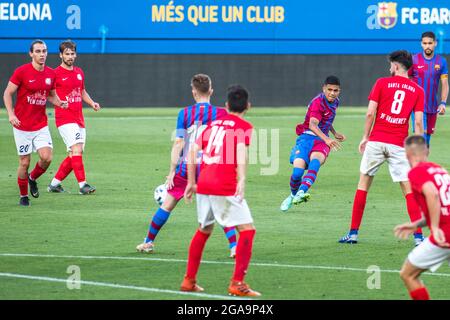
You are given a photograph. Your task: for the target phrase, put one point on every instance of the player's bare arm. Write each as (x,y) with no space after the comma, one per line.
(87,98)
(434,207)
(242,160)
(314,127)
(418,122)
(191,166)
(444,93)
(339,136)
(370,119)
(403,231)
(177,148)
(56,101)
(8,101)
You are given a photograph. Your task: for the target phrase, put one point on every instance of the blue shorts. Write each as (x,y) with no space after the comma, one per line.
(305,145)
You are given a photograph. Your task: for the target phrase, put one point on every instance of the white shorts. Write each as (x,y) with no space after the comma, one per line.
(376,153)
(31,141)
(72,134)
(429,256)
(226,210)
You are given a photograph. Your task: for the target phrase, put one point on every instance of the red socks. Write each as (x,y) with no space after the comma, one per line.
(37,172)
(64,169)
(195,253)
(78,168)
(243,254)
(359,204)
(413,209)
(420,294)
(23,186)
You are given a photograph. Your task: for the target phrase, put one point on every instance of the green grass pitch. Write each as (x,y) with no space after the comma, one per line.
(296,254)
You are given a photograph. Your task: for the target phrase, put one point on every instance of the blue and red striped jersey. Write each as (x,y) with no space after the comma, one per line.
(427,74)
(192,120)
(321,109)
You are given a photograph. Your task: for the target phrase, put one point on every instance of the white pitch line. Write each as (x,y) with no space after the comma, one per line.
(259,264)
(174,117)
(119,286)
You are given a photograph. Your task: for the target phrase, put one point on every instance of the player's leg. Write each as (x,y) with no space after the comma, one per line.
(410,276)
(373,158)
(229,211)
(43,144)
(413,210)
(299,166)
(24,146)
(65,168)
(198,242)
(319,153)
(299,159)
(78,169)
(230,233)
(429,126)
(22,179)
(399,168)
(159,219)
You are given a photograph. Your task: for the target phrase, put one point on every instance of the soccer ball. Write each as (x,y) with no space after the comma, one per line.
(160,194)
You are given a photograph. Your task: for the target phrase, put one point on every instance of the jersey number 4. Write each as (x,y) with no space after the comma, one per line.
(397,104)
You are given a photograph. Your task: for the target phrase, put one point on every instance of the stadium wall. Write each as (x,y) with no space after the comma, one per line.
(133,80)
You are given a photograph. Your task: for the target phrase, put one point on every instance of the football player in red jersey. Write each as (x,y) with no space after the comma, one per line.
(35,84)
(70,122)
(220,190)
(430,184)
(391,102)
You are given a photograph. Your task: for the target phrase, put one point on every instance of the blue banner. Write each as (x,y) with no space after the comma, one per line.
(225,26)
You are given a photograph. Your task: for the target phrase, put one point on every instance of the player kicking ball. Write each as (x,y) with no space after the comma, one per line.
(191,121)
(220,190)
(313,142)
(430,185)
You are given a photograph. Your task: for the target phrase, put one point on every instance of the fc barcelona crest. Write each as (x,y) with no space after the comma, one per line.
(387,14)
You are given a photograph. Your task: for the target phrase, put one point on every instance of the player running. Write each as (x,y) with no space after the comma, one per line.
(191,122)
(70,122)
(431,187)
(391,102)
(313,142)
(220,190)
(427,71)
(35,84)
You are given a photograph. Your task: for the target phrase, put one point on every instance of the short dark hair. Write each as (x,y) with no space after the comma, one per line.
(37,41)
(429,34)
(68,44)
(332,80)
(403,57)
(201,83)
(237,98)
(416,139)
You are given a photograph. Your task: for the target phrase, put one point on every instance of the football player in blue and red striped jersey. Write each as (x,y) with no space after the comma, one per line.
(427,71)
(192,120)
(313,142)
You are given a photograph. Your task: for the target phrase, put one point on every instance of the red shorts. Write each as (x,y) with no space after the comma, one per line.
(431,119)
(179,185)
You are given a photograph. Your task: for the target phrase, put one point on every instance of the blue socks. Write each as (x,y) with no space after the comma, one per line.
(310,177)
(158,220)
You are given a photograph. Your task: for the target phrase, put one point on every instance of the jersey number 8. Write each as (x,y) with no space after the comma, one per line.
(399,97)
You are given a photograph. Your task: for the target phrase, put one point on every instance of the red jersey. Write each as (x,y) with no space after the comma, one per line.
(218,174)
(70,86)
(33,89)
(432,172)
(397,98)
